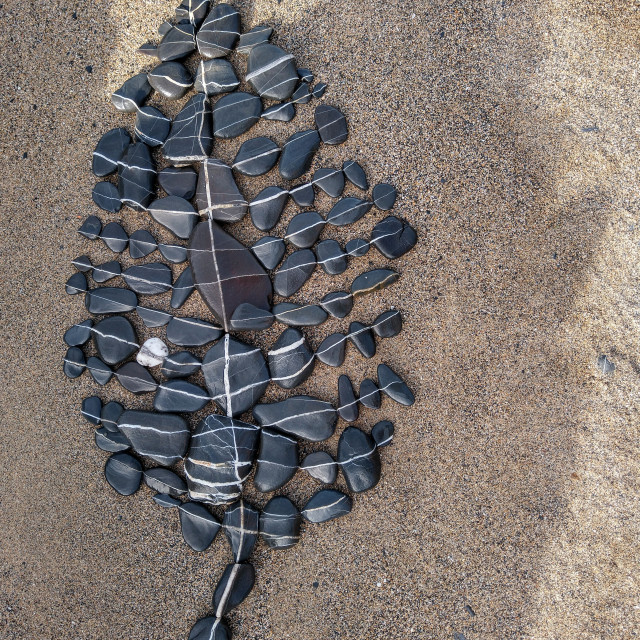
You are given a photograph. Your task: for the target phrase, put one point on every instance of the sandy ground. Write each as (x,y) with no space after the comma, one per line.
(510,497)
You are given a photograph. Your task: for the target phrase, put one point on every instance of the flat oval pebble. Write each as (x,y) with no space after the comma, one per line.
(384,196)
(303,194)
(291,360)
(135,378)
(177,43)
(78,334)
(257,35)
(319,90)
(171,80)
(331,123)
(174,253)
(280,523)
(382,433)
(91,228)
(361,337)
(165,481)
(355,174)
(357,247)
(256,156)
(294,272)
(283,112)
(392,385)
(77,283)
(325,505)
(110,415)
(199,527)
(179,396)
(331,257)
(347,401)
(331,350)
(183,287)
(219,31)
(393,237)
(338,303)
(148,279)
(191,137)
(217,194)
(210,628)
(153,317)
(331,181)
(100,372)
(369,394)
(269,251)
(176,214)
(178,181)
(141,244)
(303,416)
(373,281)
(115,339)
(267,206)
(152,352)
(108,151)
(271,71)
(304,229)
(248,317)
(240,525)
(136,177)
(192,332)
(110,441)
(277,460)
(152,126)
(105,300)
(388,324)
(130,96)
(235,113)
(82,263)
(295,315)
(321,466)
(92,410)
(162,437)
(347,211)
(359,460)
(105,195)
(297,153)
(115,237)
(215,77)
(123,473)
(180,365)
(234,586)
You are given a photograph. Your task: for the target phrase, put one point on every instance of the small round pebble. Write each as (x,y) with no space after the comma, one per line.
(152,353)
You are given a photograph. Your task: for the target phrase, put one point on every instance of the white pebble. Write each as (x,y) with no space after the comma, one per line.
(152,353)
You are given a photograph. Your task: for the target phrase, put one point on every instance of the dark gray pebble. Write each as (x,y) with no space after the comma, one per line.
(152,126)
(183,287)
(123,473)
(180,365)
(338,303)
(248,317)
(331,123)
(361,337)
(359,460)
(130,96)
(357,247)
(283,112)
(331,350)
(347,401)
(384,196)
(115,339)
(393,237)
(294,272)
(199,527)
(108,151)
(256,156)
(355,174)
(235,113)
(92,410)
(165,481)
(382,433)
(269,251)
(388,324)
(297,153)
(219,32)
(373,281)
(277,460)
(115,237)
(177,43)
(82,263)
(166,501)
(106,271)
(100,372)
(325,505)
(215,77)
(271,71)
(148,279)
(234,586)
(257,35)
(174,253)
(171,80)
(110,415)
(331,181)
(191,332)
(135,378)
(191,137)
(153,317)
(137,177)
(217,194)
(240,525)
(347,211)
(319,90)
(176,214)
(303,194)
(267,206)
(369,394)
(321,466)
(141,244)
(178,181)
(105,300)
(295,315)
(392,385)
(179,396)
(77,283)
(78,334)
(304,229)
(331,257)
(110,441)
(105,195)
(280,523)
(291,360)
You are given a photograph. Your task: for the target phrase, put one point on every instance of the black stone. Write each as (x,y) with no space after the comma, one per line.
(199,527)
(373,281)
(105,195)
(179,396)
(305,75)
(82,263)
(331,181)
(236,375)
(193,10)
(267,206)
(219,32)
(325,505)
(269,251)
(110,441)
(303,194)
(337,303)
(271,71)
(215,77)
(166,501)
(331,257)
(347,211)
(235,113)
(178,181)
(130,96)
(136,177)
(115,237)
(393,237)
(178,42)
(174,253)
(331,350)
(176,214)
(105,300)
(392,385)
(123,473)
(294,272)
(165,481)
(321,466)
(240,525)
(171,80)
(77,283)
(110,415)
(141,244)
(108,151)
(283,112)
(191,332)
(148,279)
(382,433)
(347,401)
(331,123)
(357,247)
(99,371)
(304,229)
(78,334)
(369,394)
(115,339)
(180,365)
(217,195)
(106,271)
(248,317)
(361,337)
(318,90)
(234,586)
(297,153)
(301,95)
(359,459)
(388,324)
(183,287)
(153,317)
(148,49)
(280,523)
(291,360)
(210,628)
(152,126)
(355,174)
(295,315)
(191,137)
(220,458)
(256,156)
(384,196)
(302,416)
(92,410)
(257,35)
(135,378)
(277,460)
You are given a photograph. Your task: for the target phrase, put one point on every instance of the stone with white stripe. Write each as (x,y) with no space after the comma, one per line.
(305,75)
(79,333)
(180,365)
(296,315)
(165,481)
(166,501)
(92,410)
(106,300)
(269,251)
(124,473)
(392,385)
(301,95)
(291,360)
(355,174)
(109,150)
(277,460)
(176,214)
(331,123)
(388,324)
(283,112)
(178,181)
(271,71)
(256,156)
(297,153)
(217,194)
(210,628)
(106,196)
(393,237)
(302,416)
(115,339)
(100,372)
(326,504)
(382,433)
(337,303)
(191,332)
(136,177)
(220,459)
(321,466)
(371,281)
(331,257)
(319,90)
(369,394)
(357,247)
(91,228)
(175,253)
(347,401)
(294,272)
(110,414)
(234,586)
(193,10)
(77,283)
(106,271)
(384,196)
(250,39)
(152,126)
(199,527)
(304,229)
(248,317)
(359,460)
(171,80)
(183,287)
(267,207)
(361,337)
(141,244)
(280,523)
(153,317)
(219,32)
(236,375)
(331,181)
(114,237)
(215,77)
(83,263)
(177,43)
(163,437)
(240,524)
(130,96)
(191,137)
(148,279)
(179,396)
(148,49)
(331,350)
(303,194)
(347,211)
(235,113)
(110,441)
(135,378)
(152,353)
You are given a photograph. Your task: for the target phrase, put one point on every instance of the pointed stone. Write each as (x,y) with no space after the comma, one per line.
(191,332)
(177,43)
(294,272)
(83,263)
(110,441)
(280,523)
(108,151)
(235,113)
(165,481)
(100,372)
(257,35)
(301,95)
(256,156)
(78,334)
(183,287)
(110,415)
(304,229)
(199,527)
(347,211)
(174,253)
(277,461)
(271,72)
(179,396)
(123,473)
(297,154)
(357,247)
(136,177)
(210,628)
(148,279)
(319,90)
(180,365)
(384,196)
(269,251)
(267,206)
(105,195)
(115,339)
(152,126)
(283,112)
(347,401)
(305,75)
(392,385)
(132,94)
(217,195)
(331,123)
(373,281)
(369,395)
(106,271)
(303,194)
(331,350)
(219,32)
(295,315)
(362,339)
(331,181)
(176,214)
(240,525)
(178,181)
(393,237)
(171,80)
(325,505)
(153,317)
(141,244)
(215,77)
(331,257)
(359,460)
(247,317)
(234,586)
(355,174)
(382,433)
(338,303)
(91,228)
(148,49)
(291,360)
(195,11)
(321,466)
(166,501)
(77,283)
(92,410)
(135,378)
(191,137)
(114,237)
(388,324)
(105,300)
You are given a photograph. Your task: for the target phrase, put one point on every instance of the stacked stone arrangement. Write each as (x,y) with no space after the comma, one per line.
(195,466)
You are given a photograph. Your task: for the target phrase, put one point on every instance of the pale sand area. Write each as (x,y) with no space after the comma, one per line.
(511,132)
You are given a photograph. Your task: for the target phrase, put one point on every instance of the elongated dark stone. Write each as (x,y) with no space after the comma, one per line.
(148,279)
(217,195)
(256,156)
(347,402)
(331,257)
(248,317)
(295,315)
(191,137)
(357,247)
(240,524)
(135,378)
(110,415)
(297,153)
(234,586)
(174,253)
(92,410)
(83,263)
(136,177)
(280,523)
(277,460)
(105,300)
(337,303)
(355,174)
(331,123)
(191,332)
(347,211)
(359,459)
(283,112)
(219,31)
(183,287)
(153,317)
(331,181)
(373,281)
(387,324)
(166,501)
